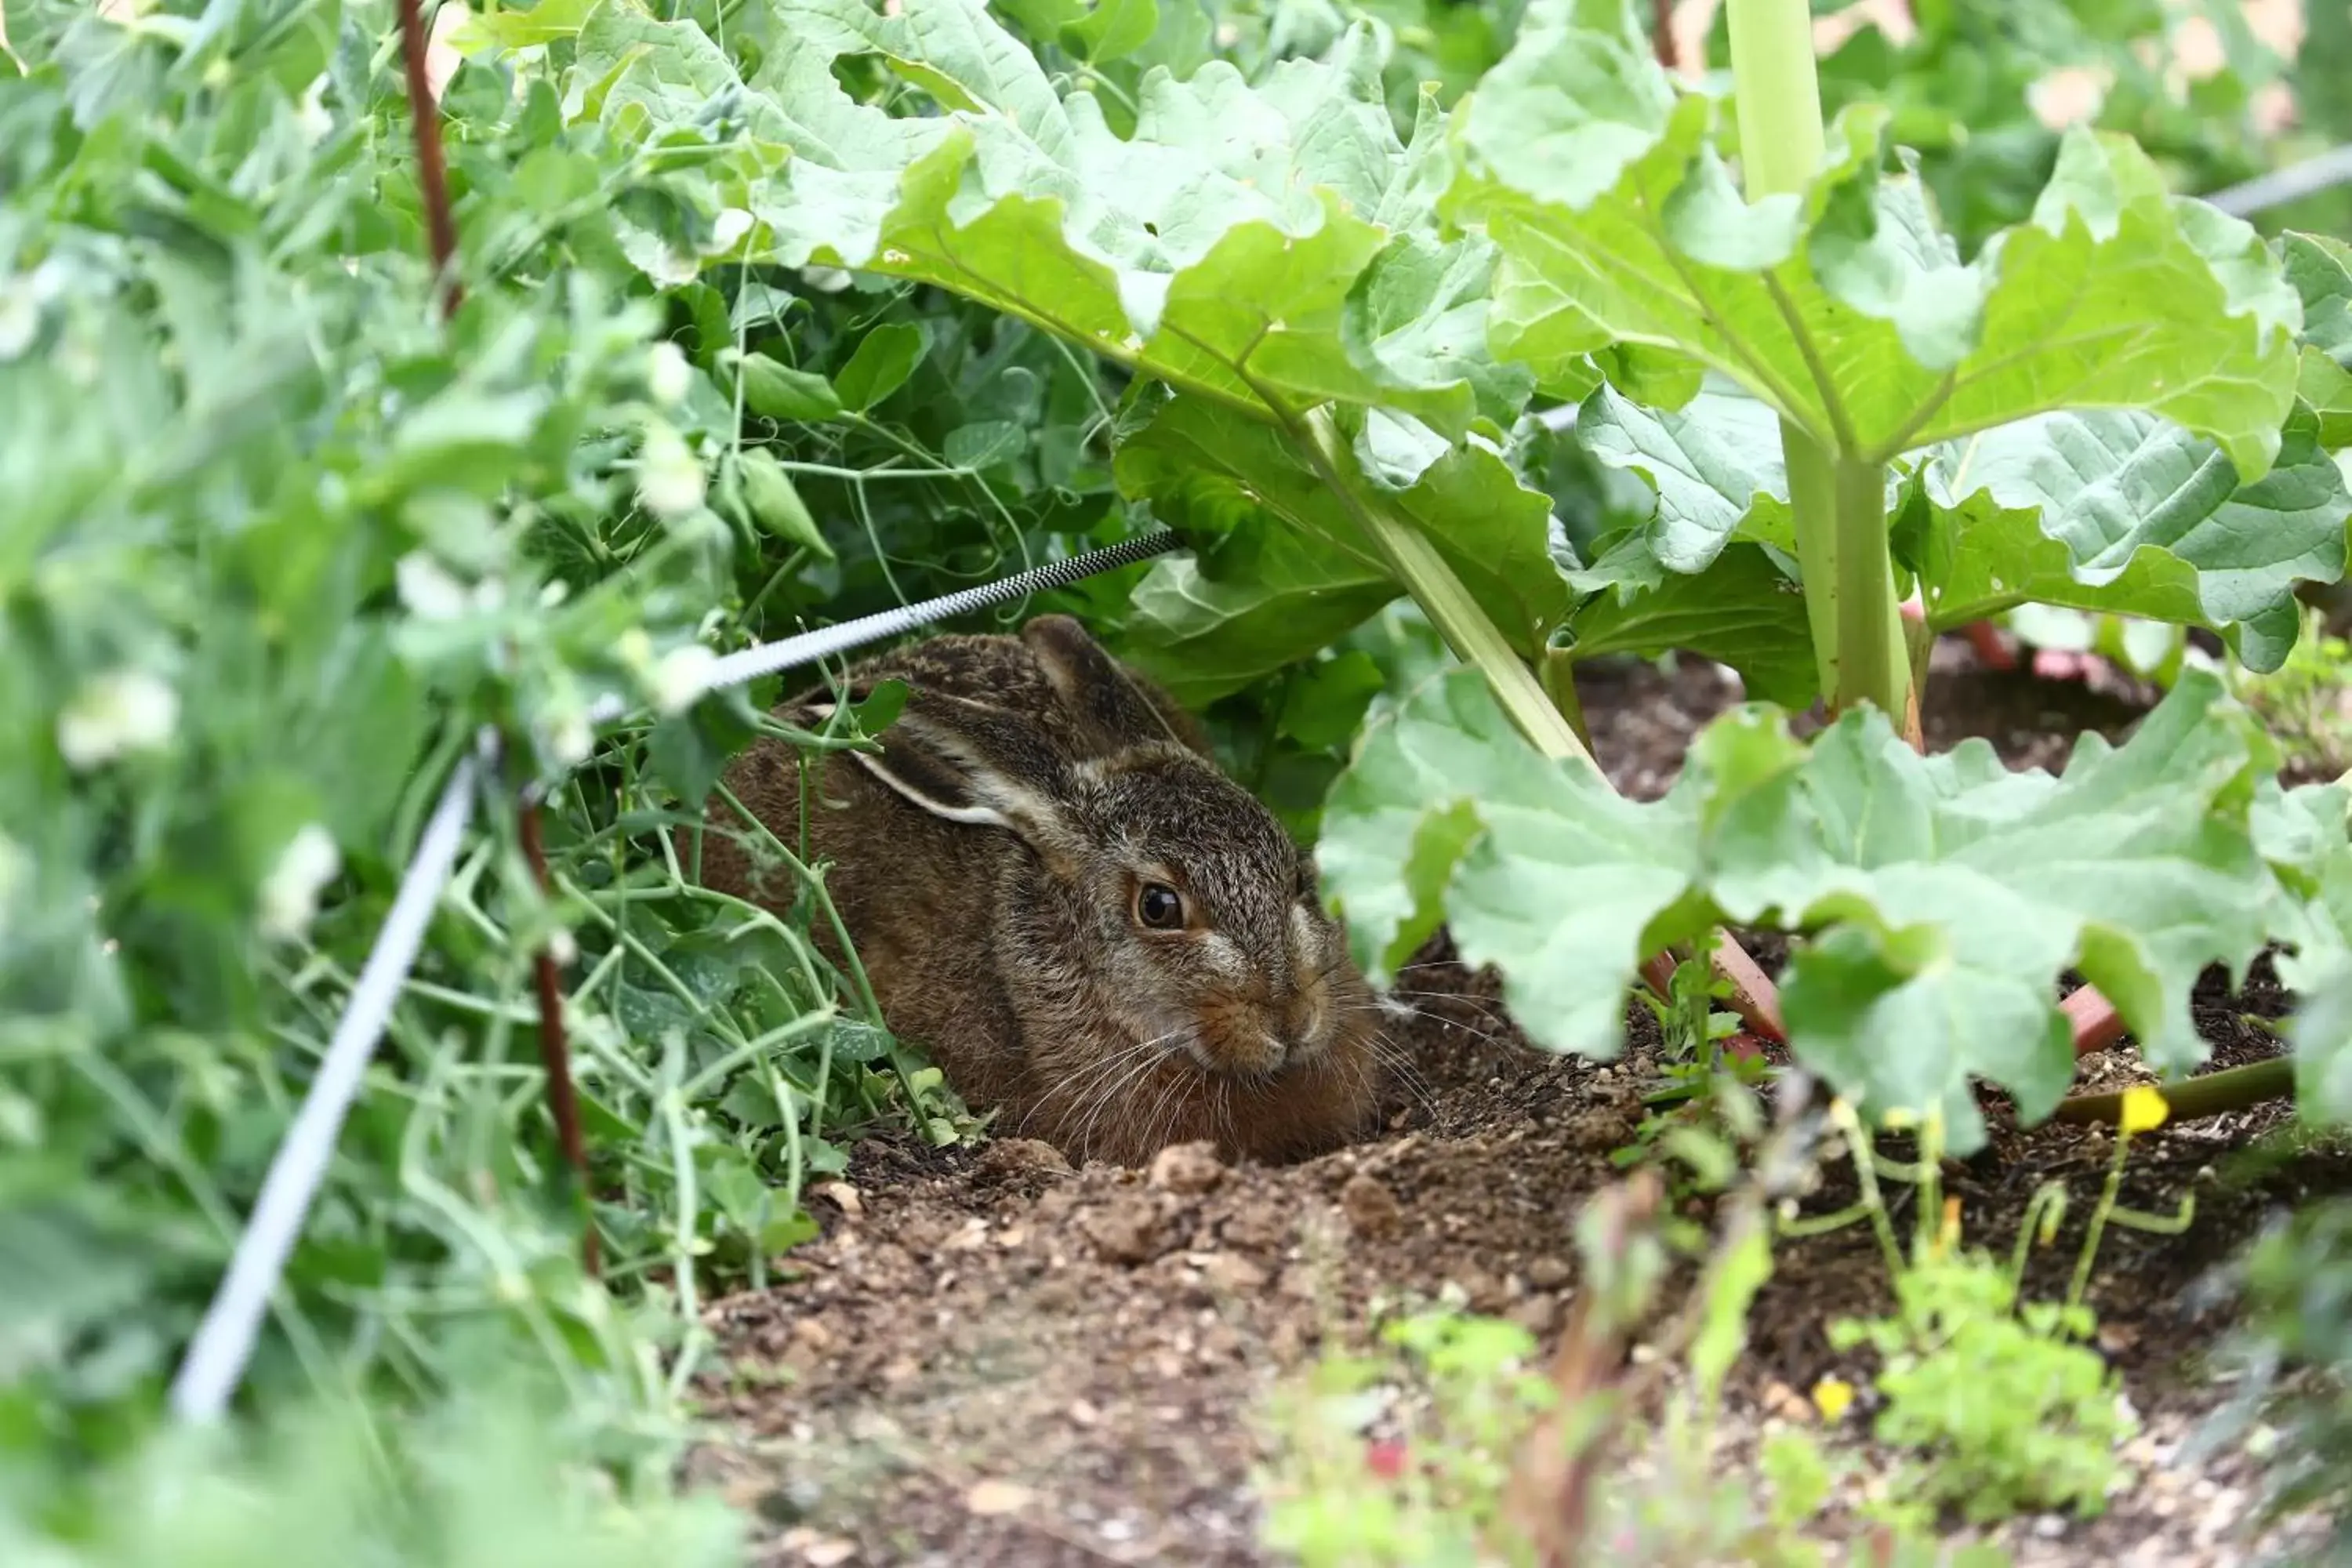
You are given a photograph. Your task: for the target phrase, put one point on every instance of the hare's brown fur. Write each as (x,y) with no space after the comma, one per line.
(986,864)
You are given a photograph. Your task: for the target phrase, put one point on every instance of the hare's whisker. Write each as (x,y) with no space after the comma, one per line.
(1103,1067)
(1109,1087)
(1492,1036)
(1089,1090)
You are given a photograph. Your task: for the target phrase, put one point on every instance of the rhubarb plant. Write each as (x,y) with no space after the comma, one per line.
(2099,410)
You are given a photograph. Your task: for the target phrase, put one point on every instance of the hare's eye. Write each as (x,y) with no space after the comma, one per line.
(1160,907)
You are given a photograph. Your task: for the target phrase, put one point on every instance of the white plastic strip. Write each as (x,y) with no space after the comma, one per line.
(223,1342)
(216,1358)
(787,653)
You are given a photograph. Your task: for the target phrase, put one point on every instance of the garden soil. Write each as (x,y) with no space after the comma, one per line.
(988,1358)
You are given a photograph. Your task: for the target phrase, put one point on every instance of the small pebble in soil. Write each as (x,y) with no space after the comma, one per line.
(1232,1275)
(1371,1209)
(1538,1314)
(1125,1229)
(992,1497)
(1010,1157)
(1187,1168)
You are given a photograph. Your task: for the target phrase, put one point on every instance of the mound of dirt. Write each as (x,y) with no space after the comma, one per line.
(990,1358)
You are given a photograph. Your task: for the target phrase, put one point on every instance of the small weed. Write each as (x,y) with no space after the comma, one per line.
(1447,1446)
(1401,1456)
(1707,1083)
(2008,1406)
(2013,1411)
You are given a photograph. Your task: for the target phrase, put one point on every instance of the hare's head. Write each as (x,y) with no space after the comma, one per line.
(1149,881)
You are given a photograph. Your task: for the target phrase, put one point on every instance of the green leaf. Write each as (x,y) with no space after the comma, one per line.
(2320,267)
(768,497)
(544,23)
(1446,813)
(2327,387)
(2116,511)
(1416,321)
(2301,833)
(1216,248)
(1847,309)
(1209,469)
(1206,633)
(1943,896)
(886,357)
(776,390)
(983,443)
(1323,707)
(1113,29)
(690,749)
(1714,463)
(1741,611)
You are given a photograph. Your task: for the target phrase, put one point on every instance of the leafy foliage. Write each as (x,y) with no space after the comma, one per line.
(2048,449)
(1846,311)
(492,1475)
(2011,1411)
(283,544)
(1943,896)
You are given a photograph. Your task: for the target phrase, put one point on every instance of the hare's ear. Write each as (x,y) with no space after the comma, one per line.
(967,762)
(1114,707)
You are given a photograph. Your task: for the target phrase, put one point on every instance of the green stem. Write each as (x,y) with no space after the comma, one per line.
(1557,672)
(1812,505)
(1777,93)
(2084,1261)
(1839,498)
(1474,639)
(1873,662)
(2215,1093)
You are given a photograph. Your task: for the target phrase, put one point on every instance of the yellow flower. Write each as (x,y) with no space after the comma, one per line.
(1832,1397)
(2144,1110)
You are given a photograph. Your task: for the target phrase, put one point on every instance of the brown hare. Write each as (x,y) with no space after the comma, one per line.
(1057,894)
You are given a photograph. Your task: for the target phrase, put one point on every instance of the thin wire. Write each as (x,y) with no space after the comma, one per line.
(2280,187)
(222,1346)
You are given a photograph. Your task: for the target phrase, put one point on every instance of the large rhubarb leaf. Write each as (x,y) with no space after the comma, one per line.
(2105,511)
(2117,512)
(1272,246)
(1446,815)
(1944,895)
(1847,308)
